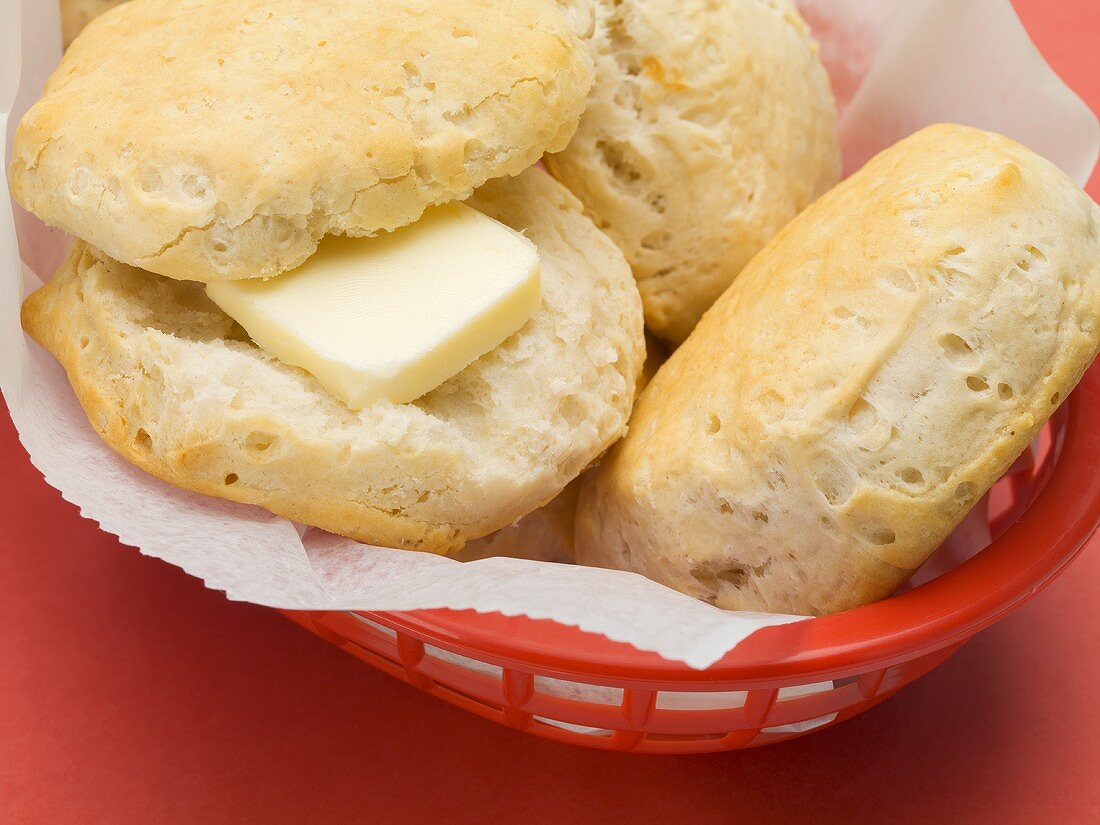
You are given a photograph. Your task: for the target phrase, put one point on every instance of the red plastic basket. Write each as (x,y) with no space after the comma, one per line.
(571,686)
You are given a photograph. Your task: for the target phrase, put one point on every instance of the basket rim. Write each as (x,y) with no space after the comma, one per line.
(1034,550)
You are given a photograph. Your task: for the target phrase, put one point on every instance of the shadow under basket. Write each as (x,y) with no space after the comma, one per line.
(564,684)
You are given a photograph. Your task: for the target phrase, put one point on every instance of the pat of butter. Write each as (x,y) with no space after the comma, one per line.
(394,316)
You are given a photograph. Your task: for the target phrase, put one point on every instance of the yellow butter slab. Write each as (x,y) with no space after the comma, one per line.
(393,317)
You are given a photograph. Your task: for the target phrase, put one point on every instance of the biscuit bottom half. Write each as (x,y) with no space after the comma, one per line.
(175,386)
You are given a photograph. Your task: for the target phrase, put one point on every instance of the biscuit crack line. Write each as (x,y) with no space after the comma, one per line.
(183,233)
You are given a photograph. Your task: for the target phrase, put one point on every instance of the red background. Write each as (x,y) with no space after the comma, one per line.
(130,694)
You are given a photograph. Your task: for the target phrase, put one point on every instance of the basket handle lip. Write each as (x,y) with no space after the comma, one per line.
(941,612)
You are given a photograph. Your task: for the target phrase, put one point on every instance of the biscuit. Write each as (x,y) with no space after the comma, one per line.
(175,386)
(709,127)
(861,385)
(543,535)
(547,533)
(220,157)
(76,14)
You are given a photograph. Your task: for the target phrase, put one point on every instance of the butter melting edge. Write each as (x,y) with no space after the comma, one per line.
(394,316)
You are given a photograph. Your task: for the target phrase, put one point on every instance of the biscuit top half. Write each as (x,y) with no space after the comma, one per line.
(216,140)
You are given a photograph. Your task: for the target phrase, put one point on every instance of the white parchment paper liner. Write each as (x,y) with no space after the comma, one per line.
(897,65)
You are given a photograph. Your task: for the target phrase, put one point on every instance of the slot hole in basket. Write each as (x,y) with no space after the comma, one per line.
(701,700)
(798,691)
(802,727)
(465,662)
(381,628)
(578,691)
(569,726)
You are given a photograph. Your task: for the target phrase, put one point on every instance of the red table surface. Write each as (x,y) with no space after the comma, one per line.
(131,694)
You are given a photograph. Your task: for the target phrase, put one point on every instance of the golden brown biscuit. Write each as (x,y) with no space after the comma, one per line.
(863,382)
(543,535)
(709,127)
(173,385)
(218,157)
(547,533)
(76,14)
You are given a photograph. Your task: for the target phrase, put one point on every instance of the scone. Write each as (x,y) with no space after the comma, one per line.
(76,14)
(543,535)
(862,383)
(709,127)
(221,139)
(547,533)
(172,384)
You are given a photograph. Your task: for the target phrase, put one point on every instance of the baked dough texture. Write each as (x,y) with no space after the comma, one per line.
(546,534)
(208,157)
(709,127)
(76,14)
(861,385)
(172,384)
(543,535)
